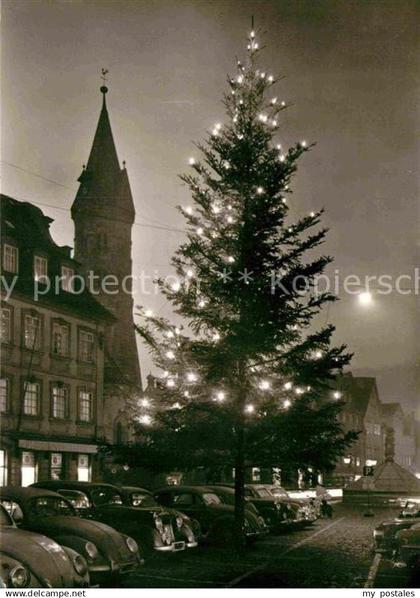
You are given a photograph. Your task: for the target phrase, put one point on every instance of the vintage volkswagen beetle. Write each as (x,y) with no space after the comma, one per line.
(153,527)
(29,560)
(384,535)
(134,496)
(108,553)
(216,519)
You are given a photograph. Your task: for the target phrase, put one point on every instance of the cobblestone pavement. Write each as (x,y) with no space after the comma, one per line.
(331,553)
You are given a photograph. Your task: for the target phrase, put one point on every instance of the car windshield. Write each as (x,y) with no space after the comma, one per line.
(5,517)
(211,499)
(79,500)
(50,506)
(264,493)
(105,496)
(142,499)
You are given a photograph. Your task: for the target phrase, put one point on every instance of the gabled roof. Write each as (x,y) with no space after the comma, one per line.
(357,391)
(27,226)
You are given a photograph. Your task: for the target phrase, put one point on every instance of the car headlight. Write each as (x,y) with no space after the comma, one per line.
(131,544)
(80,565)
(179,522)
(159,524)
(19,577)
(378,533)
(91,550)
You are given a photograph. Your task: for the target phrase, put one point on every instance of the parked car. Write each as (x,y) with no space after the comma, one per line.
(29,560)
(279,515)
(227,496)
(134,496)
(407,547)
(311,506)
(384,535)
(109,554)
(154,527)
(215,518)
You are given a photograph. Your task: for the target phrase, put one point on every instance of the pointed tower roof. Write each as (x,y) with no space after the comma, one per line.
(103,155)
(104,186)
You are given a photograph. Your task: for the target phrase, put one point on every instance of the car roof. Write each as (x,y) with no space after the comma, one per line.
(217,488)
(176,488)
(134,489)
(72,485)
(26,493)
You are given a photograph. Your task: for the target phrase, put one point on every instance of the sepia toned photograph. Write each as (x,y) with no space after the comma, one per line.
(210,280)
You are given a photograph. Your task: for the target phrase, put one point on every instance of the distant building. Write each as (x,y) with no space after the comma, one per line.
(103,214)
(51,386)
(362,413)
(404,434)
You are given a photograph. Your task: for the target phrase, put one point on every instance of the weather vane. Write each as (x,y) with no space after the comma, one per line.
(104,88)
(104,74)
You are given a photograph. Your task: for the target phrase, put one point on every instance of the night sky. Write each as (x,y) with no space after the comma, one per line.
(351,73)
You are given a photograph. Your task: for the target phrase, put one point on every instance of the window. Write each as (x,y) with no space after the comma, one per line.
(60,339)
(28,468)
(3,468)
(86,346)
(67,279)
(10,258)
(40,268)
(56,466)
(4,394)
(31,398)
(59,401)
(83,468)
(32,331)
(377,429)
(6,325)
(85,406)
(184,499)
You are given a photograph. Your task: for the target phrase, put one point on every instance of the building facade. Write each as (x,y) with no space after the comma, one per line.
(404,434)
(52,331)
(103,214)
(362,412)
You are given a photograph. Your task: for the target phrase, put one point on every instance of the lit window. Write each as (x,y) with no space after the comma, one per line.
(83,468)
(32,332)
(377,429)
(67,279)
(86,346)
(6,325)
(59,402)
(85,406)
(56,466)
(10,258)
(31,398)
(3,468)
(4,394)
(40,268)
(28,470)
(60,339)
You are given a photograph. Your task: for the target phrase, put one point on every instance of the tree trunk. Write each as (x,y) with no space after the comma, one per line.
(239,488)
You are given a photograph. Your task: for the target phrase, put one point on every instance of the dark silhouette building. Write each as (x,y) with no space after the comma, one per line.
(103,214)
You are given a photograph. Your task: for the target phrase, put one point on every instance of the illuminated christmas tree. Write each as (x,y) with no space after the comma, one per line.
(247,377)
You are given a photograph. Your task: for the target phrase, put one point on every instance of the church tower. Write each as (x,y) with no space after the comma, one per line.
(103,214)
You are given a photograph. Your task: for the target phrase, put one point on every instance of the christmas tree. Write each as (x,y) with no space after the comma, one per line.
(248,377)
